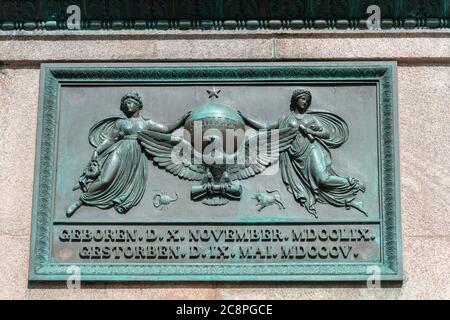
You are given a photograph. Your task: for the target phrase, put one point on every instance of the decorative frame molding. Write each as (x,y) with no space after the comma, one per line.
(383,74)
(49,15)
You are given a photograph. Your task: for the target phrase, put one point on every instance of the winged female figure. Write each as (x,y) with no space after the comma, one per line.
(306,166)
(117,172)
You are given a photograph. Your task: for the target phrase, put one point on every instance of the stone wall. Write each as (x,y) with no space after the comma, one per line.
(423,101)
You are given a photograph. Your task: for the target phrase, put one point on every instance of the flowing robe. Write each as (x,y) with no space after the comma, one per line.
(306,165)
(128,186)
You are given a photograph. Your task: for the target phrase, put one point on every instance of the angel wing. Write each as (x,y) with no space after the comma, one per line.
(99,131)
(259,151)
(336,126)
(174,154)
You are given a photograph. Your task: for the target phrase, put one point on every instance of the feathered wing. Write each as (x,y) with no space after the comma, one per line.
(100,130)
(185,163)
(258,152)
(335,125)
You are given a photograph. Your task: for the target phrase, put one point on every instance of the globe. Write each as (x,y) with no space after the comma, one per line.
(212,121)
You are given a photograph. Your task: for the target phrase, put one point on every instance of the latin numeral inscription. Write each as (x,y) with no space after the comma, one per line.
(219,243)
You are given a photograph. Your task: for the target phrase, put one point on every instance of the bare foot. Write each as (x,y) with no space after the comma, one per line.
(73,207)
(359,206)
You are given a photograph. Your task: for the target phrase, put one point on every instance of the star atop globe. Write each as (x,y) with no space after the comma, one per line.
(215,118)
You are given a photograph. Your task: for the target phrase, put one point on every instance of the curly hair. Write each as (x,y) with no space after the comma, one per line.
(134,96)
(297,94)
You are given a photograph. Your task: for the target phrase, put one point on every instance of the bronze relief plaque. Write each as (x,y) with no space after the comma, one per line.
(217,171)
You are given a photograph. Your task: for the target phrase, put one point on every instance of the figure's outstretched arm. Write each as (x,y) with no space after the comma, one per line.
(259,124)
(158,127)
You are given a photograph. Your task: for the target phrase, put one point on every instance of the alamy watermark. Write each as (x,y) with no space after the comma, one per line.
(228,147)
(74,279)
(374,278)
(374,20)
(73,11)
(74,19)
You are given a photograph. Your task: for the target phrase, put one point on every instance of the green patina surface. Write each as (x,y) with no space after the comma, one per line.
(222,14)
(383,74)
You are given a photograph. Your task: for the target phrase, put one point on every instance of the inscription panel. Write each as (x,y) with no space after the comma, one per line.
(217,171)
(218,243)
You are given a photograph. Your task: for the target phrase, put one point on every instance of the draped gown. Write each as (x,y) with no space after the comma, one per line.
(128,186)
(306,167)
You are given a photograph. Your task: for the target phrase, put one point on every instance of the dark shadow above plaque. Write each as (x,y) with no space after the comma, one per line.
(181,15)
(217,172)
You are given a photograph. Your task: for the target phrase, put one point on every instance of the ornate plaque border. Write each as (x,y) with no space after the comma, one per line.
(383,74)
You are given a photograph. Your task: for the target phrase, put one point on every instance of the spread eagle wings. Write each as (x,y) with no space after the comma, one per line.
(254,155)
(258,152)
(174,154)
